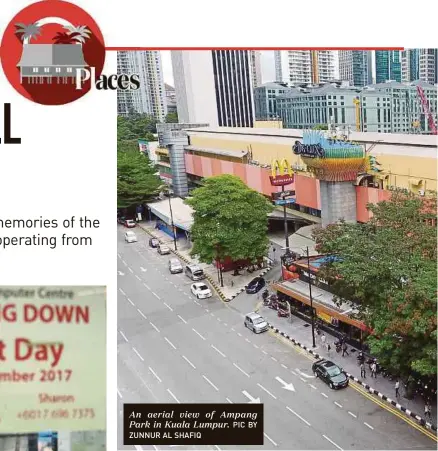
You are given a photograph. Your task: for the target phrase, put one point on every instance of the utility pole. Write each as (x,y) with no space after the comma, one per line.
(311,299)
(171,220)
(286,232)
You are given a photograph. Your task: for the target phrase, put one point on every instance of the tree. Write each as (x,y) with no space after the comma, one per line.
(387,270)
(320,127)
(28,32)
(230,220)
(136,126)
(171,118)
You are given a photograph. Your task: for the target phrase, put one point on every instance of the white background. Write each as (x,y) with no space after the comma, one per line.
(66,164)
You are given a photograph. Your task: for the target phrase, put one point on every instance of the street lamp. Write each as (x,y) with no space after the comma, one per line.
(311,299)
(171,219)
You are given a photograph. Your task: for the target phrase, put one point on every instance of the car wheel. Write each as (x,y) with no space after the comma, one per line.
(331,385)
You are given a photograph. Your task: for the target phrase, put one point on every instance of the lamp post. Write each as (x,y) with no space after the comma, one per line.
(286,232)
(171,220)
(311,299)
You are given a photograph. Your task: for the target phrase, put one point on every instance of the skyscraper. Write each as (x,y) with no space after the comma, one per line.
(355,67)
(214,87)
(256,68)
(410,65)
(428,65)
(388,66)
(150,98)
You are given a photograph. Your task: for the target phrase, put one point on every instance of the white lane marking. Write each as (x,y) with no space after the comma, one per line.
(284,366)
(155,448)
(246,339)
(217,447)
(123,261)
(274,359)
(211,383)
(138,447)
(154,326)
(121,291)
(332,442)
(302,378)
(156,295)
(135,350)
(270,439)
(131,302)
(352,414)
(197,333)
(212,314)
(234,330)
(171,344)
(189,362)
(124,336)
(173,396)
(323,394)
(256,346)
(120,395)
(264,352)
(267,391)
(218,319)
(169,307)
(141,313)
(338,404)
(146,286)
(137,277)
(313,387)
(293,372)
(118,255)
(182,319)
(238,333)
(299,416)
(366,424)
(155,374)
(240,369)
(130,269)
(207,310)
(229,400)
(217,350)
(196,302)
(225,324)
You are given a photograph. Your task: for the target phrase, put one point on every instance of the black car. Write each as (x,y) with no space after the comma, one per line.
(153,242)
(330,373)
(256,285)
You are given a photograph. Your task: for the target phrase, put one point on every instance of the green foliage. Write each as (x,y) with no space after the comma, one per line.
(136,126)
(388,270)
(172,118)
(320,127)
(230,220)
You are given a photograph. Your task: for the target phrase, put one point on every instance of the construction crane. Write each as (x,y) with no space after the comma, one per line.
(356,102)
(426,110)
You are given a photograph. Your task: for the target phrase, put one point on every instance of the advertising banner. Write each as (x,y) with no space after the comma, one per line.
(52,358)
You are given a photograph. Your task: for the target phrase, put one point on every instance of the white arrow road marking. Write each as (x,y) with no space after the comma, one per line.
(298,416)
(251,399)
(304,374)
(286,386)
(120,273)
(143,269)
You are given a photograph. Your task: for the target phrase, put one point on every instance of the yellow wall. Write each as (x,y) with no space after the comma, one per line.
(399,168)
(268,124)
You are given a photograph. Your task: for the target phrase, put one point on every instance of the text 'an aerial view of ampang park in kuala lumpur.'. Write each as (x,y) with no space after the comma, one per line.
(277,250)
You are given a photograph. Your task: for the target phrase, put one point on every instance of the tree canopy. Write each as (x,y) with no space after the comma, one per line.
(172,118)
(136,126)
(230,220)
(387,268)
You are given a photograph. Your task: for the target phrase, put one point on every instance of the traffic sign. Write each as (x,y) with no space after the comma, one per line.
(284,201)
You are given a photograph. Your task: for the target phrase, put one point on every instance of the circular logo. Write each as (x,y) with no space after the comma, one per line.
(52,51)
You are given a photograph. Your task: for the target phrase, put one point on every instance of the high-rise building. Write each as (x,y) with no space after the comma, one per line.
(265,100)
(346,66)
(410,65)
(214,87)
(428,65)
(388,66)
(150,98)
(256,68)
(355,67)
(170,98)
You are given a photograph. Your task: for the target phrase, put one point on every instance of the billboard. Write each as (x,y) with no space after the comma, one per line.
(282,173)
(53,358)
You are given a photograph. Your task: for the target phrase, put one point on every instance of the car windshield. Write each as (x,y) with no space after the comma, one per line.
(258,320)
(175,263)
(333,370)
(202,287)
(130,221)
(198,273)
(130,234)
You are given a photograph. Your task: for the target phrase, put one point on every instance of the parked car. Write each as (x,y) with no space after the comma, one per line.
(163,249)
(121,220)
(175,266)
(256,285)
(200,290)
(130,237)
(130,223)
(153,242)
(194,272)
(253,321)
(330,373)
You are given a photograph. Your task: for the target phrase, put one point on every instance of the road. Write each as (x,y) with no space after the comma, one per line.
(173,348)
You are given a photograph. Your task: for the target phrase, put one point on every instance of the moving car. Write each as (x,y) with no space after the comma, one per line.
(121,220)
(130,237)
(330,373)
(130,223)
(175,266)
(194,272)
(256,323)
(200,290)
(153,242)
(256,285)
(163,249)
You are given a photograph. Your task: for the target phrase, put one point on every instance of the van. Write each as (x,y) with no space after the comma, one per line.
(194,272)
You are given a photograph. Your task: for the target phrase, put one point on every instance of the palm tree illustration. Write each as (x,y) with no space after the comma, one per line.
(28,32)
(72,35)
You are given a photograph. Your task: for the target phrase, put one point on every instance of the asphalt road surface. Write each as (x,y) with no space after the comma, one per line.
(173,348)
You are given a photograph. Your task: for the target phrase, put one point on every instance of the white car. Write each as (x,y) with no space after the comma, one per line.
(130,237)
(200,290)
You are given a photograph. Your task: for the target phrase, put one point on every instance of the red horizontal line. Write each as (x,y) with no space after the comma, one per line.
(252,48)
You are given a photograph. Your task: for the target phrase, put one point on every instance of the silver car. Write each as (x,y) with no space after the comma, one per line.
(175,266)
(256,323)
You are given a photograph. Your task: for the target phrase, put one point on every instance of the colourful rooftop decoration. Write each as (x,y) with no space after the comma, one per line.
(331,159)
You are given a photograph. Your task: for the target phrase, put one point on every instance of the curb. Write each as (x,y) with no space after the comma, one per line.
(371,390)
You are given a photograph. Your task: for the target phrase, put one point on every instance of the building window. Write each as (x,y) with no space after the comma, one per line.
(58,70)
(47,70)
(35,70)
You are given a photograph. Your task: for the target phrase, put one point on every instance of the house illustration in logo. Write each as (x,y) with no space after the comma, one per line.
(44,63)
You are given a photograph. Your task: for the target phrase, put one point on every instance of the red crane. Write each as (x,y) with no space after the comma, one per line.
(426,110)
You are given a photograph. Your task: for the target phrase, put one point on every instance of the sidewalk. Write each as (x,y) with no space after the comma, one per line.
(233,285)
(301,331)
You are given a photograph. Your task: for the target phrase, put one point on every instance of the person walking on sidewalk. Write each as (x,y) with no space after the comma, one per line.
(323,339)
(427,411)
(344,349)
(328,348)
(362,371)
(397,388)
(374,370)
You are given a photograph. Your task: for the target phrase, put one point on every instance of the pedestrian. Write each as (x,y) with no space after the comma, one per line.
(362,371)
(374,370)
(344,349)
(323,339)
(232,282)
(328,348)
(397,387)
(427,413)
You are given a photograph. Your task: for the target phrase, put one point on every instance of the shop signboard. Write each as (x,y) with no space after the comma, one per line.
(308,150)
(282,173)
